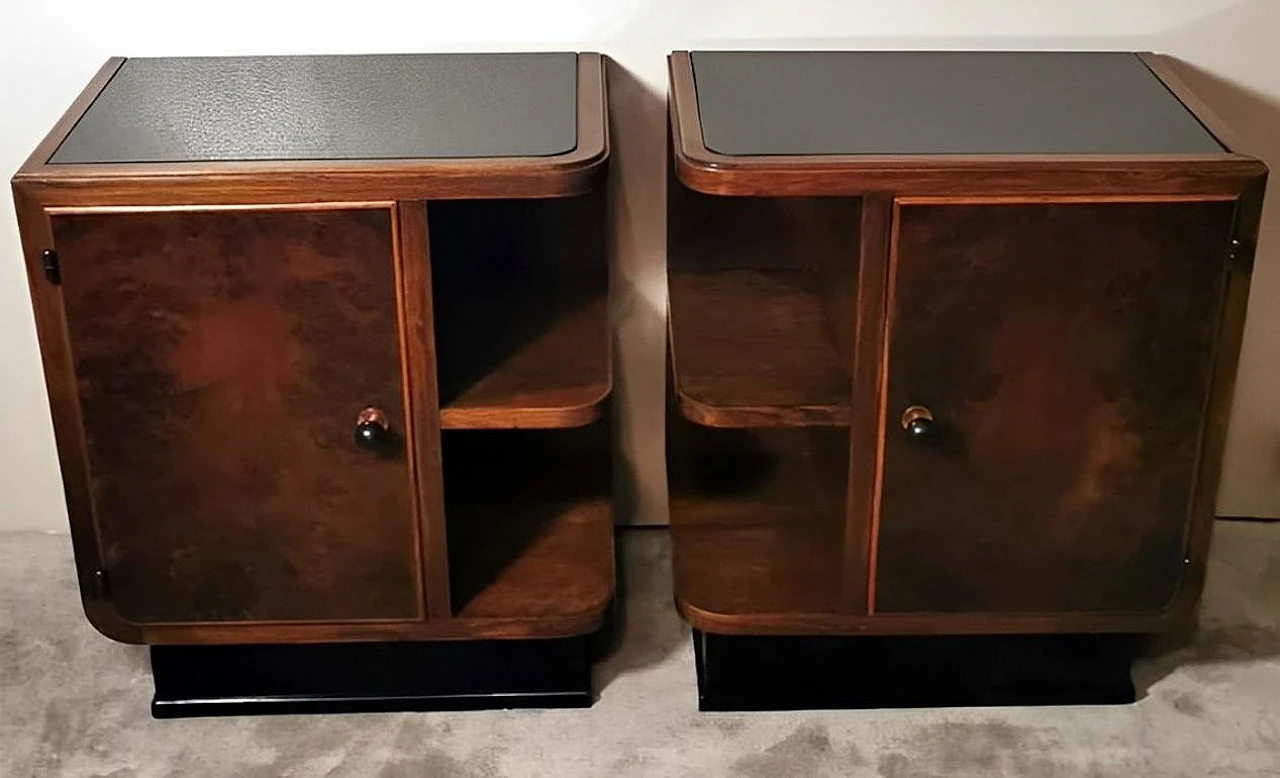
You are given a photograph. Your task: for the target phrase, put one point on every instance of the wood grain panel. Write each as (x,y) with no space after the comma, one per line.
(221,359)
(754,348)
(418,349)
(864,429)
(757,518)
(761,296)
(530,522)
(68,431)
(1065,352)
(521,311)
(1218,408)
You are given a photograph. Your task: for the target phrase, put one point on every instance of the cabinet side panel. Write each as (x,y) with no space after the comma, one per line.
(1065,352)
(221,359)
(59,378)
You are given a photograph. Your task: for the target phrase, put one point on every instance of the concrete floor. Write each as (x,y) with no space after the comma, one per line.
(73,703)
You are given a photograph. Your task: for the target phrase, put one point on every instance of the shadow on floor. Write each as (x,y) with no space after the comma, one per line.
(646,629)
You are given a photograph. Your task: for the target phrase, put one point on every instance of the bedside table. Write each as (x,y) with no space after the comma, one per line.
(952,345)
(328,357)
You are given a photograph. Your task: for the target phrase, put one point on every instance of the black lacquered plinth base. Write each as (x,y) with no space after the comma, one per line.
(353,677)
(739,673)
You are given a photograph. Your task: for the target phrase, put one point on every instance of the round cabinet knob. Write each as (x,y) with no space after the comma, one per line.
(918,422)
(373,431)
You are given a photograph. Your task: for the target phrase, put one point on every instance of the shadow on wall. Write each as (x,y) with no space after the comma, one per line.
(637,288)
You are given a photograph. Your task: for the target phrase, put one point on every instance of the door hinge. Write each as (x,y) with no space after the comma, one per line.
(100,587)
(52,268)
(1242,248)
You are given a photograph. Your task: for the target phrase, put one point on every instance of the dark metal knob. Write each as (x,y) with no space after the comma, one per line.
(918,422)
(373,431)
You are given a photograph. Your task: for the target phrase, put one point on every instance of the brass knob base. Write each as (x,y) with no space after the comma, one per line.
(917,421)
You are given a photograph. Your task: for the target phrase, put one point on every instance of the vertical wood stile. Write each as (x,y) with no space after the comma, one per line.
(422,402)
(864,429)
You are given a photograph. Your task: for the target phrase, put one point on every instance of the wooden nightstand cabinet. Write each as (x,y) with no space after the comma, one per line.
(952,340)
(327,351)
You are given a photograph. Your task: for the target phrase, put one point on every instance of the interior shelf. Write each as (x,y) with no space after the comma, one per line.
(754,348)
(519,298)
(540,542)
(758,518)
(558,377)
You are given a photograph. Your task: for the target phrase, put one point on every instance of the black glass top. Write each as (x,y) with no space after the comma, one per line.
(214,109)
(789,103)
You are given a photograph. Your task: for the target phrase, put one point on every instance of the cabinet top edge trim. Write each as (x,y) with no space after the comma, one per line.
(1030,199)
(333,205)
(710,172)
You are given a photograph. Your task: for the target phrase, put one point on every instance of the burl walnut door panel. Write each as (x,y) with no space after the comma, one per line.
(1064,351)
(222,358)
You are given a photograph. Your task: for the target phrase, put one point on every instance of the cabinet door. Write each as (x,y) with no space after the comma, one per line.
(221,359)
(1064,351)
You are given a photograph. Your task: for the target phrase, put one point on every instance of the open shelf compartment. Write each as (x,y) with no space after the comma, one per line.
(519,296)
(529,522)
(757,518)
(761,308)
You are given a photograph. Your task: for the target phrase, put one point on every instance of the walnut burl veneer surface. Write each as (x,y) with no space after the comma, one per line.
(1065,351)
(221,359)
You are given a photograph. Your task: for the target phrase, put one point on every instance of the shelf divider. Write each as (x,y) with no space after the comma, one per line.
(754,348)
(560,377)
